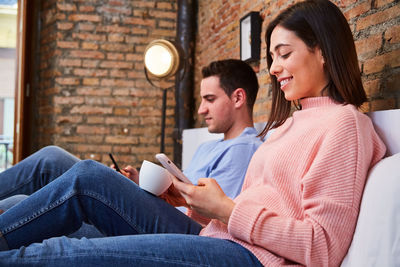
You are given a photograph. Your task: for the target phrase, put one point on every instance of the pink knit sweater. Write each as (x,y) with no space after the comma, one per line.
(301,195)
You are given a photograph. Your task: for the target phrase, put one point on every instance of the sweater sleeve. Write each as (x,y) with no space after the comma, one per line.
(331,190)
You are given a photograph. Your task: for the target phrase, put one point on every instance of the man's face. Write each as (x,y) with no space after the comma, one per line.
(216,106)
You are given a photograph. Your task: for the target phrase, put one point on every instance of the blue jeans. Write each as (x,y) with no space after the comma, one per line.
(146,230)
(34,172)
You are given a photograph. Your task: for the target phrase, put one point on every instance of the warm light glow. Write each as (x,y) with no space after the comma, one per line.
(161,58)
(158,60)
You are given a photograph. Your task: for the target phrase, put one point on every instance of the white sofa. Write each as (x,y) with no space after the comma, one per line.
(376,241)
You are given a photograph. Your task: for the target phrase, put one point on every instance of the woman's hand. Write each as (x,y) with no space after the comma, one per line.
(207,198)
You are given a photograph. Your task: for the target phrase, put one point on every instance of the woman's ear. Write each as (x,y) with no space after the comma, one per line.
(239,97)
(320,55)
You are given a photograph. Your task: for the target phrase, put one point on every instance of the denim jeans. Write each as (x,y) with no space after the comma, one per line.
(146,230)
(34,172)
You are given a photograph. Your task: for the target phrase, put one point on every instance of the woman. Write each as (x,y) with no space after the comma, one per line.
(301,195)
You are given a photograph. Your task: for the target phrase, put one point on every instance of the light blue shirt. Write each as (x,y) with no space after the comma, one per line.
(225,160)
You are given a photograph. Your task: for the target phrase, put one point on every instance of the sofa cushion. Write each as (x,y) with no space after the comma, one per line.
(376,240)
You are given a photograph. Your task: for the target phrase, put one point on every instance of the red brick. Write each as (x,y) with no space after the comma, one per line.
(64,25)
(90,63)
(121,91)
(90,46)
(383,104)
(95,139)
(117,3)
(115,56)
(381,3)
(166,24)
(89,37)
(116,65)
(117,82)
(372,87)
(91,110)
(140,31)
(71,139)
(83,129)
(86,54)
(378,17)
(136,74)
(113,28)
(140,21)
(69,119)
(67,80)
(163,14)
(118,73)
(95,120)
(93,148)
(358,10)
(65,44)
(122,140)
(115,9)
(377,64)
(121,149)
(117,47)
(90,72)
(93,91)
(66,7)
(144,40)
(122,111)
(135,57)
(84,17)
(90,81)
(392,35)
(150,4)
(164,5)
(86,8)
(70,62)
(68,100)
(121,121)
(86,27)
(115,38)
(163,33)
(370,44)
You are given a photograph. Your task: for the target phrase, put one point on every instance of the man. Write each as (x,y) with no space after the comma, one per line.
(228,90)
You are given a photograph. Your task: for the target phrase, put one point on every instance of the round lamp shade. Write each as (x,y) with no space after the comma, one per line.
(161,58)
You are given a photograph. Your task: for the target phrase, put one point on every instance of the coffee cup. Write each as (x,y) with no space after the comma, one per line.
(154,178)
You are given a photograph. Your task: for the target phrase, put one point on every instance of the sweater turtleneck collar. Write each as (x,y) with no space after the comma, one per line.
(312,102)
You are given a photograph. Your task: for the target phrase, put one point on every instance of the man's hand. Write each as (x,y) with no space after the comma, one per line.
(207,198)
(129,172)
(173,197)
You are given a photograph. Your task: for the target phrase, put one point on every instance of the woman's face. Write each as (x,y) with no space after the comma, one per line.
(298,69)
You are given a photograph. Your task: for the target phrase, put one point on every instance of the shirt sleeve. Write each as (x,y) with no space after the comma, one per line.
(331,192)
(230,169)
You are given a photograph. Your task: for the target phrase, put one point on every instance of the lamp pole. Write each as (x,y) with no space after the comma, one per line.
(162,59)
(164,108)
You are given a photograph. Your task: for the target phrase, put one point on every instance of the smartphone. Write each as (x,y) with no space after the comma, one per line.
(114,162)
(171,167)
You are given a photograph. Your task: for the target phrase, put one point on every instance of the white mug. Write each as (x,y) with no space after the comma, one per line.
(154,178)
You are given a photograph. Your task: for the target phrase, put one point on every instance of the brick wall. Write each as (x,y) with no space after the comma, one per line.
(92,96)
(376,29)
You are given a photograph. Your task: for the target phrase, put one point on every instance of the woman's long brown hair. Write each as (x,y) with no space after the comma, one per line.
(319,23)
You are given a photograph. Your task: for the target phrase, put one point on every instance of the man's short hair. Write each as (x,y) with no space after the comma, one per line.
(233,74)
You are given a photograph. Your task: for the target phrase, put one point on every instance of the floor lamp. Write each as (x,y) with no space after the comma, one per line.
(161,61)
